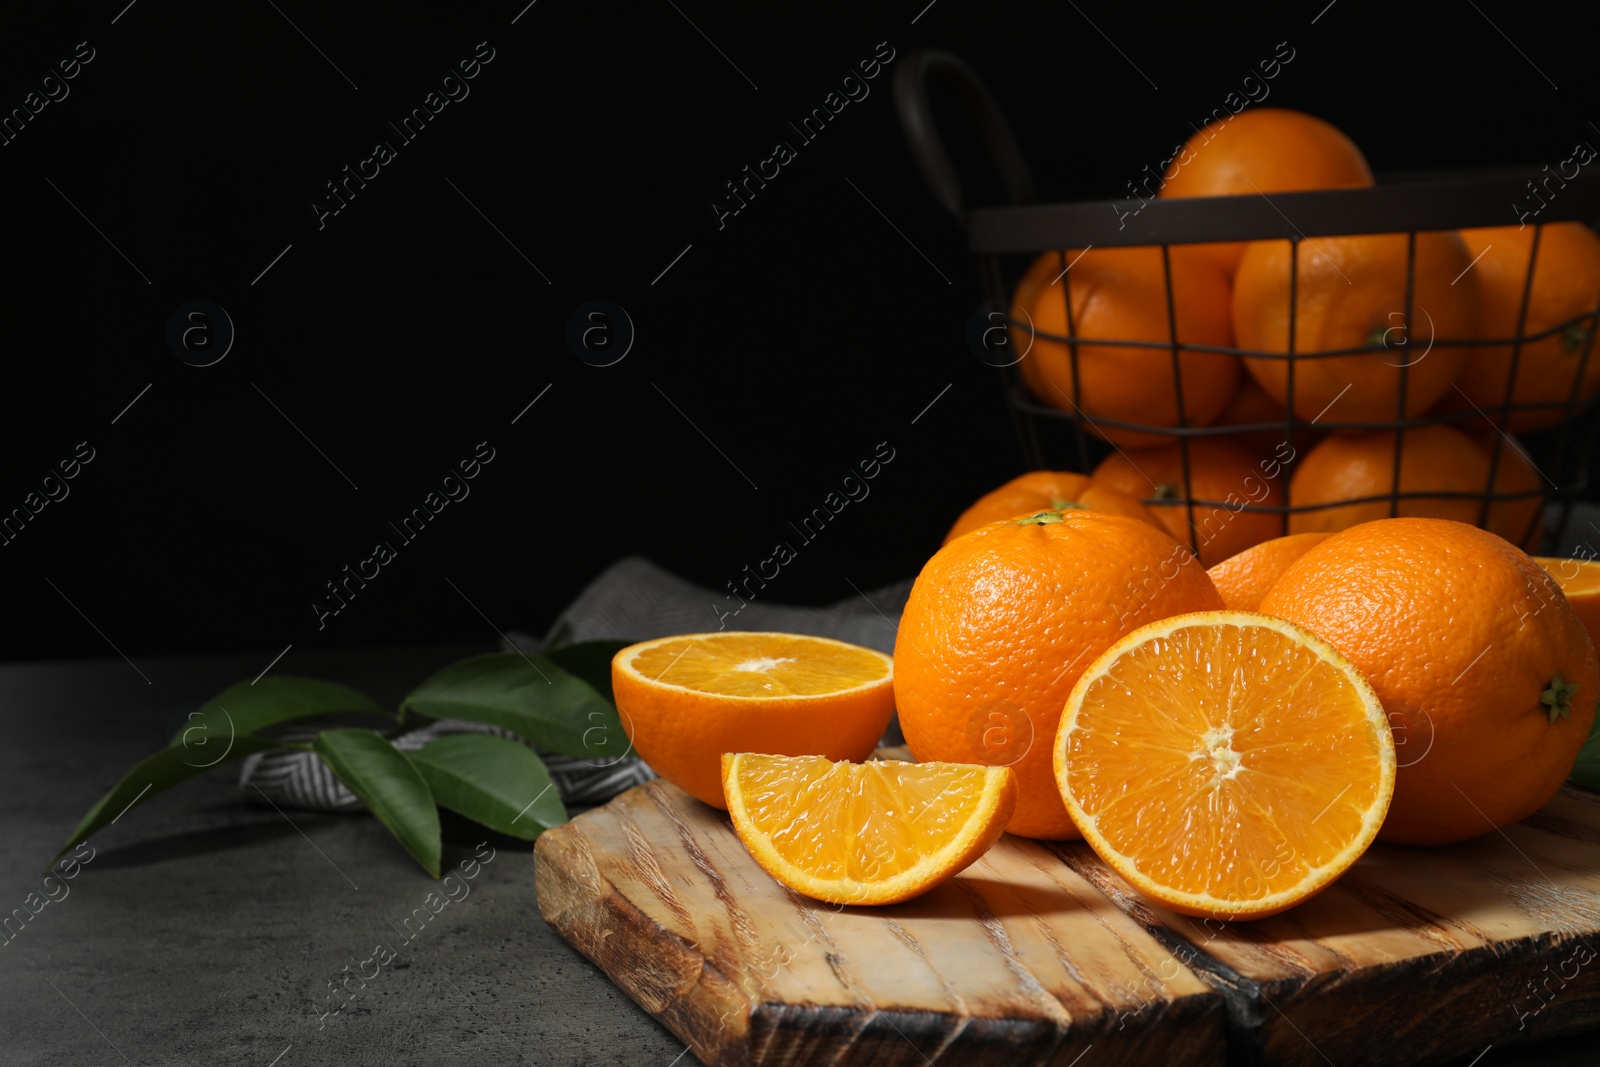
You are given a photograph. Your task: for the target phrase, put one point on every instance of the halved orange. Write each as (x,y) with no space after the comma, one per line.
(865,833)
(1225,763)
(687,699)
(1579,580)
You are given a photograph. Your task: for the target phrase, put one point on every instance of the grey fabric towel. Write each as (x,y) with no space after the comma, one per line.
(632,599)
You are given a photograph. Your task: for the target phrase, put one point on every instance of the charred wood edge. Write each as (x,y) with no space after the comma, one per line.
(1251,1006)
(1244,1011)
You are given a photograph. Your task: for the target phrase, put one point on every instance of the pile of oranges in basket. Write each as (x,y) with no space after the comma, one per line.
(1350,297)
(1227,712)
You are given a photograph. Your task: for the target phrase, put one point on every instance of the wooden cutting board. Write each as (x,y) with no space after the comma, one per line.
(1038,954)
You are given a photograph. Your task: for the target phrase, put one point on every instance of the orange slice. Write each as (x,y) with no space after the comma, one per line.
(1225,763)
(1243,579)
(685,700)
(865,833)
(1579,579)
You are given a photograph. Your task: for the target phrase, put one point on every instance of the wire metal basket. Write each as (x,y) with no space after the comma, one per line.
(1006,238)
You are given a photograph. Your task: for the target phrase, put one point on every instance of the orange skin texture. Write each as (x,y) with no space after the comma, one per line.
(682,735)
(1220,470)
(1566,283)
(1120,294)
(1351,289)
(1046,491)
(1433,458)
(1263,150)
(1459,633)
(1243,580)
(1039,274)
(1519,521)
(1003,620)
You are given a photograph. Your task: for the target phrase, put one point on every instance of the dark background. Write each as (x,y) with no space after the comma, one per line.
(407,330)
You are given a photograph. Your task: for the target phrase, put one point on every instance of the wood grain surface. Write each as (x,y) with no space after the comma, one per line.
(1039,954)
(1416,955)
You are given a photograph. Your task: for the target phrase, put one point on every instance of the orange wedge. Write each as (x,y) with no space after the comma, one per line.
(1243,579)
(685,700)
(1225,763)
(865,833)
(1579,580)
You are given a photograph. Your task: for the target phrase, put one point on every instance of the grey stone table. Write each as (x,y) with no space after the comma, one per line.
(207,930)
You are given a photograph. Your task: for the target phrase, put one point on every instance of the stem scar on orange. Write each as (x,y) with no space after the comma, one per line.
(1047,490)
(1351,293)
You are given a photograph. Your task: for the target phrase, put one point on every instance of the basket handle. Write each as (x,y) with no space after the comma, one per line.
(916,119)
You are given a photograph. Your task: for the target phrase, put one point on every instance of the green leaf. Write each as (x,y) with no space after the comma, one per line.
(500,783)
(591,661)
(1586,772)
(390,787)
(530,696)
(161,772)
(248,708)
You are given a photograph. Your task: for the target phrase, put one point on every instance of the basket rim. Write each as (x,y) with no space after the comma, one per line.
(1399,204)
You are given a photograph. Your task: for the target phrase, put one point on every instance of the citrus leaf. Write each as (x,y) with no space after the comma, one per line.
(1586,772)
(530,696)
(390,787)
(591,661)
(500,783)
(250,707)
(159,773)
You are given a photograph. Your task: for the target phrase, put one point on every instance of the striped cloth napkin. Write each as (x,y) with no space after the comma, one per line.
(633,599)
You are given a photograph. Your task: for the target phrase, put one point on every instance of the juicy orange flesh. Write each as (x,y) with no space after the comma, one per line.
(1224,760)
(1577,577)
(862,822)
(759,665)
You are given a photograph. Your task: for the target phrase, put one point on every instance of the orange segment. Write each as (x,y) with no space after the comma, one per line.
(864,833)
(1225,763)
(1579,580)
(687,699)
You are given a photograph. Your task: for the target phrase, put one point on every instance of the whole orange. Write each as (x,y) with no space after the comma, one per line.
(1263,150)
(1488,678)
(1518,520)
(1040,273)
(1354,466)
(1047,491)
(1224,472)
(1244,579)
(1566,283)
(1120,294)
(1351,292)
(1003,620)
(1434,459)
